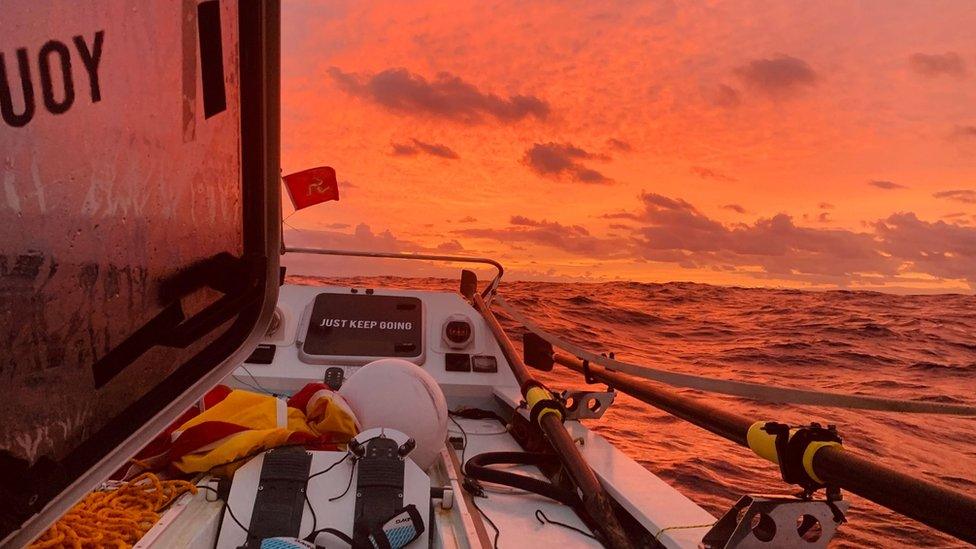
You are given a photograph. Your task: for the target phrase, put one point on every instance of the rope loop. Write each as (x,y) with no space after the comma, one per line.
(118,517)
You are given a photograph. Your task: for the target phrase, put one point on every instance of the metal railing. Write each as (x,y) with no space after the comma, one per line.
(487,294)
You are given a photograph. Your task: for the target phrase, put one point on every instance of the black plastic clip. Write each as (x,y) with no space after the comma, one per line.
(587,375)
(790,449)
(611,356)
(833,496)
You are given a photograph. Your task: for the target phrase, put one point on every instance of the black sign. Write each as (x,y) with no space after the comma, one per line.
(365,325)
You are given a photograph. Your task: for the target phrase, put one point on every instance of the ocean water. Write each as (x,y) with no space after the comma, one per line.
(905,347)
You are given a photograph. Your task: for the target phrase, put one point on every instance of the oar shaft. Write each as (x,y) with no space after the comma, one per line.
(595,499)
(946,510)
(711,418)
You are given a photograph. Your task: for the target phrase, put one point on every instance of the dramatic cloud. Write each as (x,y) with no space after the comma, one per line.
(723,96)
(940,249)
(886,185)
(400,149)
(709,100)
(563,161)
(433,149)
(965,196)
(362,238)
(899,244)
(672,230)
(447,96)
(524,221)
(452,246)
(706,173)
(778,78)
(573,239)
(618,145)
(938,64)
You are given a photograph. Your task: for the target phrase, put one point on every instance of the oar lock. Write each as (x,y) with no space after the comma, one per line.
(793,449)
(784,521)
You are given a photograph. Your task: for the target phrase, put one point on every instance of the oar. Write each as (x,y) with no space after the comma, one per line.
(548,415)
(941,508)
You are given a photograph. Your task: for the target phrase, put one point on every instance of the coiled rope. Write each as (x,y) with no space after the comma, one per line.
(753,391)
(114,518)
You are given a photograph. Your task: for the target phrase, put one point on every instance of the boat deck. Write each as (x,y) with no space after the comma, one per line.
(663,513)
(514,511)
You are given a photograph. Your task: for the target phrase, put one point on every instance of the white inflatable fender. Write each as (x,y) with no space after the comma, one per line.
(400,395)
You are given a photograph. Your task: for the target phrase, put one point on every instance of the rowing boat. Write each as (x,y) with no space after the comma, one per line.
(345,415)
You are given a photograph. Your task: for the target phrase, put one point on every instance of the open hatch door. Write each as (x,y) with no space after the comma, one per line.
(139,228)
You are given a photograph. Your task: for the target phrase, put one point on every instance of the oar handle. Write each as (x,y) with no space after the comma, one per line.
(942,508)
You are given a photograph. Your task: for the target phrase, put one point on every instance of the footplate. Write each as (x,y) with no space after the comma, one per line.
(379,488)
(280,500)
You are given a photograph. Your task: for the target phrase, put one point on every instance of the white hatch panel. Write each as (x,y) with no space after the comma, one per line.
(324,327)
(355,329)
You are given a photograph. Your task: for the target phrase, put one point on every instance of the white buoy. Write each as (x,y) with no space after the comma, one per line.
(397,394)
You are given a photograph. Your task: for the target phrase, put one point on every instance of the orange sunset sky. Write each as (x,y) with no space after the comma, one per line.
(802,144)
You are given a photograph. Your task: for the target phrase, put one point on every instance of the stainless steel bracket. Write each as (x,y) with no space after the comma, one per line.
(775,521)
(587,404)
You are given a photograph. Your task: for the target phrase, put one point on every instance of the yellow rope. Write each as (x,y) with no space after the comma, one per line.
(116,518)
(663,530)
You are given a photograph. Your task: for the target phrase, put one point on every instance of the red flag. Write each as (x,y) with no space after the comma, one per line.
(309,187)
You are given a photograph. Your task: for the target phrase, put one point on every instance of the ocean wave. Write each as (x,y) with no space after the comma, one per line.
(581,300)
(942,367)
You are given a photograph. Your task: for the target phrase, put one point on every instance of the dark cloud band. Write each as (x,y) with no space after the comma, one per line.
(671,230)
(778,77)
(417,146)
(447,96)
(563,160)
